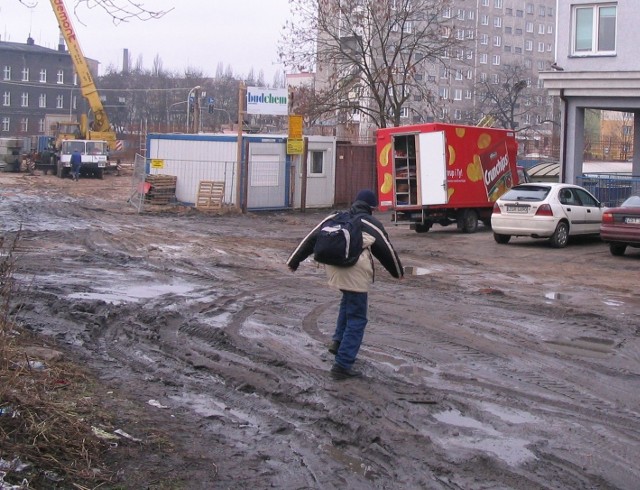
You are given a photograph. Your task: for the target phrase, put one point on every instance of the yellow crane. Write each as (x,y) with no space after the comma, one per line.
(100,127)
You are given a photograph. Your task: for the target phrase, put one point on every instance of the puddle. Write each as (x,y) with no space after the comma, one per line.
(355,465)
(510,415)
(557,296)
(512,451)
(123,293)
(411,270)
(613,302)
(584,346)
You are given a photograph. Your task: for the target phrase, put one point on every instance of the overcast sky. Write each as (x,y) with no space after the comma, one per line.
(196,33)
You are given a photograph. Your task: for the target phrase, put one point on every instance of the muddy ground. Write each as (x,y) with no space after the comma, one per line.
(489,367)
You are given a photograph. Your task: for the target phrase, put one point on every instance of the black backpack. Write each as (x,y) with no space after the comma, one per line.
(339,241)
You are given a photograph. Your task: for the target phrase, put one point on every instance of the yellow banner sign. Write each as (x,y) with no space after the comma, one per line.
(295,146)
(295,127)
(157,163)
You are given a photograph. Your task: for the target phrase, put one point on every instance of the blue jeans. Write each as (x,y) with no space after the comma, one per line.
(352,320)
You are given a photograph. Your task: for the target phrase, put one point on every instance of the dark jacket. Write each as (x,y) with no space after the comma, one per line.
(76,159)
(381,247)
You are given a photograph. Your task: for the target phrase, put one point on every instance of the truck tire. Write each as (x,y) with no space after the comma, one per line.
(100,173)
(617,249)
(560,237)
(422,227)
(468,220)
(59,169)
(501,239)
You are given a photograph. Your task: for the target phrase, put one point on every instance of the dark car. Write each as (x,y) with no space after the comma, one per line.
(620,226)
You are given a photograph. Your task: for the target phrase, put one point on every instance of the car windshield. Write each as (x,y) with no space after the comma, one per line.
(526,193)
(631,202)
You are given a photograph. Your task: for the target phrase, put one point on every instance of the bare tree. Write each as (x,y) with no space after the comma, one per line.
(367,53)
(508,97)
(118,10)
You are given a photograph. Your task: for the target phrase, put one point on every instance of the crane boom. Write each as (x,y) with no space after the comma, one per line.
(88,88)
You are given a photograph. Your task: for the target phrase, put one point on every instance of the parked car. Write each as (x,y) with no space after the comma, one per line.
(546,210)
(620,226)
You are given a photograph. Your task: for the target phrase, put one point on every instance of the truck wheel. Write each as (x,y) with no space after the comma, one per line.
(468,219)
(617,249)
(422,227)
(502,239)
(100,173)
(560,237)
(59,169)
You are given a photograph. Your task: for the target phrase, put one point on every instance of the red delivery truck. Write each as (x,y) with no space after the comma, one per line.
(444,173)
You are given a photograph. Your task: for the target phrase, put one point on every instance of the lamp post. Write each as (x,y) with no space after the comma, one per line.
(197,87)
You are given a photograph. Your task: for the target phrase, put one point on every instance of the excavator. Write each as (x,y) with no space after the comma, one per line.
(93,139)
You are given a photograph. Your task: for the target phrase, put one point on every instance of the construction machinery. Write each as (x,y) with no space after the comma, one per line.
(99,129)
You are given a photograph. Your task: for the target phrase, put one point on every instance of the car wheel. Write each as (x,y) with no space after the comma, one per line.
(560,237)
(469,219)
(617,249)
(502,239)
(422,227)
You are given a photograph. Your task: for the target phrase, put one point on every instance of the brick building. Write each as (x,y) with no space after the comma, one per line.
(38,86)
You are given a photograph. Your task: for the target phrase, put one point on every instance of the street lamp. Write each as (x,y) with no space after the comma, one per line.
(197,87)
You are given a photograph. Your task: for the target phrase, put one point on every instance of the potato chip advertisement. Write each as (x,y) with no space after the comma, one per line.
(471,168)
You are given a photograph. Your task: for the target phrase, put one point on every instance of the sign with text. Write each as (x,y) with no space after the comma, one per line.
(274,102)
(295,127)
(295,146)
(157,163)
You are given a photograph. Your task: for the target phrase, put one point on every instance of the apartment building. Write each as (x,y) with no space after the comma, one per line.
(501,45)
(38,86)
(596,68)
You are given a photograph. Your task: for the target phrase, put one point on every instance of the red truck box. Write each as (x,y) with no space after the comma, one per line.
(444,173)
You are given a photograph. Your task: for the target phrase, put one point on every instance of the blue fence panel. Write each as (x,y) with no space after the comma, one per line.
(610,189)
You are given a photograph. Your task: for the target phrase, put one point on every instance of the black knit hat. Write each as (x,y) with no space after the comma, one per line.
(367,196)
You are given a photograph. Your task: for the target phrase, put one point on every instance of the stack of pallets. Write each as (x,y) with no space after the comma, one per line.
(162,189)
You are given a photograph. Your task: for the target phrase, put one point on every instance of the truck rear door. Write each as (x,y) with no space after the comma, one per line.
(432,168)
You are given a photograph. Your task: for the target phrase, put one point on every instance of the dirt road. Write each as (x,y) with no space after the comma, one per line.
(490,366)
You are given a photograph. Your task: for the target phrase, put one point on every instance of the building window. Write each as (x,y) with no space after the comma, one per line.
(484,39)
(461,14)
(497,41)
(483,58)
(457,94)
(41,125)
(25,74)
(497,22)
(59,102)
(541,29)
(7,73)
(497,4)
(529,27)
(444,92)
(468,94)
(595,29)
(43,75)
(60,76)
(6,99)
(495,59)
(446,13)
(469,74)
(5,123)
(457,114)
(404,112)
(528,45)
(495,79)
(42,100)
(459,74)
(316,162)
(484,20)
(540,47)
(530,8)
(549,29)
(519,13)
(24,100)
(24,125)
(485,3)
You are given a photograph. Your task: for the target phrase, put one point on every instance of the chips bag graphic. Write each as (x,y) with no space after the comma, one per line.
(496,171)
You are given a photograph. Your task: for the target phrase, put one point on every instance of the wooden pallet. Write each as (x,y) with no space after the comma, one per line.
(210,194)
(162,189)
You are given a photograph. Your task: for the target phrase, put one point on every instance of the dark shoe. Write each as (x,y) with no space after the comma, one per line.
(334,346)
(340,373)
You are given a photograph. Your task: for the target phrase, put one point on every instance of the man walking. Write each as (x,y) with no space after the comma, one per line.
(353,281)
(76,163)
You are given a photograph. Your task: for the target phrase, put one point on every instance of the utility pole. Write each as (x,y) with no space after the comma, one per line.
(196,111)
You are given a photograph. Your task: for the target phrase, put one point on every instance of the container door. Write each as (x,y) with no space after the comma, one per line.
(432,168)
